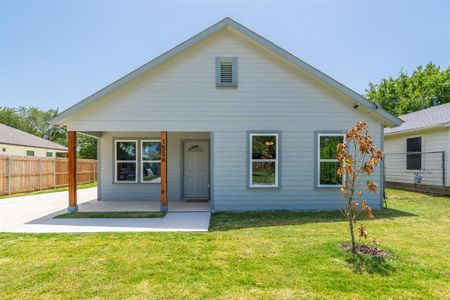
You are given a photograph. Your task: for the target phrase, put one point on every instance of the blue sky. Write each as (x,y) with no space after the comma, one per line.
(53,54)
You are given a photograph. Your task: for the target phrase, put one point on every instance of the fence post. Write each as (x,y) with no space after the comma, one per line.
(54,172)
(443,171)
(40,174)
(9,174)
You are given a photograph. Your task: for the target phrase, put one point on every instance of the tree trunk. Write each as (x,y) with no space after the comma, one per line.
(352,233)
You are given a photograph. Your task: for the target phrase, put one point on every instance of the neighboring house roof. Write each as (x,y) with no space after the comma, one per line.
(13,136)
(384,116)
(432,117)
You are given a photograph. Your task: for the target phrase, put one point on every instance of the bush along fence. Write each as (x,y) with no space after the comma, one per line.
(20,174)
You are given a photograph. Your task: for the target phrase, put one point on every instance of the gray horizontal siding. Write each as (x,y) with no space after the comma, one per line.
(181,96)
(297,175)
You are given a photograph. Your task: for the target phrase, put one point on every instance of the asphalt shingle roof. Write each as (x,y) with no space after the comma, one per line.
(430,117)
(13,136)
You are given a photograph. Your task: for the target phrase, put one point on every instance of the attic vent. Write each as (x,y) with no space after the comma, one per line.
(226,71)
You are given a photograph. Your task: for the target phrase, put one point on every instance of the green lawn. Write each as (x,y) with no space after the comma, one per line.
(270,255)
(60,189)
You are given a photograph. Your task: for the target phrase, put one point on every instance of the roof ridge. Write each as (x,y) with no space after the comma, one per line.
(425,109)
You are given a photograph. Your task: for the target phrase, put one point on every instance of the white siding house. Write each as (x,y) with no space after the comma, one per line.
(244,122)
(419,147)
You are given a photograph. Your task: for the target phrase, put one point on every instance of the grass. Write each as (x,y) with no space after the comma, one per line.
(265,255)
(83,215)
(61,189)
(263,178)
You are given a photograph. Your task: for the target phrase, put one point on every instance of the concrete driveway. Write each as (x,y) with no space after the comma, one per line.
(34,214)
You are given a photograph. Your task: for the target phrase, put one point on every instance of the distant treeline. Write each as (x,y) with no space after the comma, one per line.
(403,94)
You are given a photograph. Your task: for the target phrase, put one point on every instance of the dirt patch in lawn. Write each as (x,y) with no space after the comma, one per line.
(366,250)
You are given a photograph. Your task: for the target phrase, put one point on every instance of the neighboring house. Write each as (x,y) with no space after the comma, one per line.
(17,142)
(418,150)
(249,126)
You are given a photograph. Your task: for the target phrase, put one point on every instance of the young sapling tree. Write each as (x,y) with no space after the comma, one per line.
(358,158)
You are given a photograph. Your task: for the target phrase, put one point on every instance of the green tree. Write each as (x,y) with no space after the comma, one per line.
(36,121)
(9,116)
(87,146)
(403,94)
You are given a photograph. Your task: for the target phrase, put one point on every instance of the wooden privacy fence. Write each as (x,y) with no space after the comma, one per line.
(19,174)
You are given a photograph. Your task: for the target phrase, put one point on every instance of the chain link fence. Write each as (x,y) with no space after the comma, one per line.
(417,171)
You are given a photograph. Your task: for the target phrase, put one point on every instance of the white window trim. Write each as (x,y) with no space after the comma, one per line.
(319,160)
(260,186)
(116,162)
(147,161)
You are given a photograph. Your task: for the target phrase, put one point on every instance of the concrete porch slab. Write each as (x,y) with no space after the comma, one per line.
(142,206)
(35,214)
(172,222)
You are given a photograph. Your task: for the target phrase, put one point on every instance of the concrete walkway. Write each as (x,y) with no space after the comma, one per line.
(34,214)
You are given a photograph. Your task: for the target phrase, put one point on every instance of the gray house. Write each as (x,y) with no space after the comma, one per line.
(226,117)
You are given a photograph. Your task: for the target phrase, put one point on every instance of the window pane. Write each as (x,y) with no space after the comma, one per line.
(126,172)
(126,150)
(414,144)
(328,146)
(414,161)
(151,172)
(49,154)
(60,154)
(30,153)
(263,173)
(264,147)
(328,173)
(151,151)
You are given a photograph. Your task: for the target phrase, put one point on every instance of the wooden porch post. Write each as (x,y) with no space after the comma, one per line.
(164,206)
(72,175)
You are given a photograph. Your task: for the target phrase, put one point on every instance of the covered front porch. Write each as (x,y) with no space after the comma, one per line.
(147,171)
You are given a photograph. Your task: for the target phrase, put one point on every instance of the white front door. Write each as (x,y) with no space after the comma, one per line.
(196,169)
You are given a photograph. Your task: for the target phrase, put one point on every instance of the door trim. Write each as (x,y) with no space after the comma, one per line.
(182,142)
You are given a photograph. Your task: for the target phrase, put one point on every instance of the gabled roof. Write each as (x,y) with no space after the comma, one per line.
(13,136)
(384,116)
(432,117)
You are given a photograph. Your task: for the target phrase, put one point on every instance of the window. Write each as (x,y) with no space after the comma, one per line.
(327,159)
(264,152)
(30,153)
(125,161)
(151,161)
(414,153)
(49,154)
(226,71)
(61,154)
